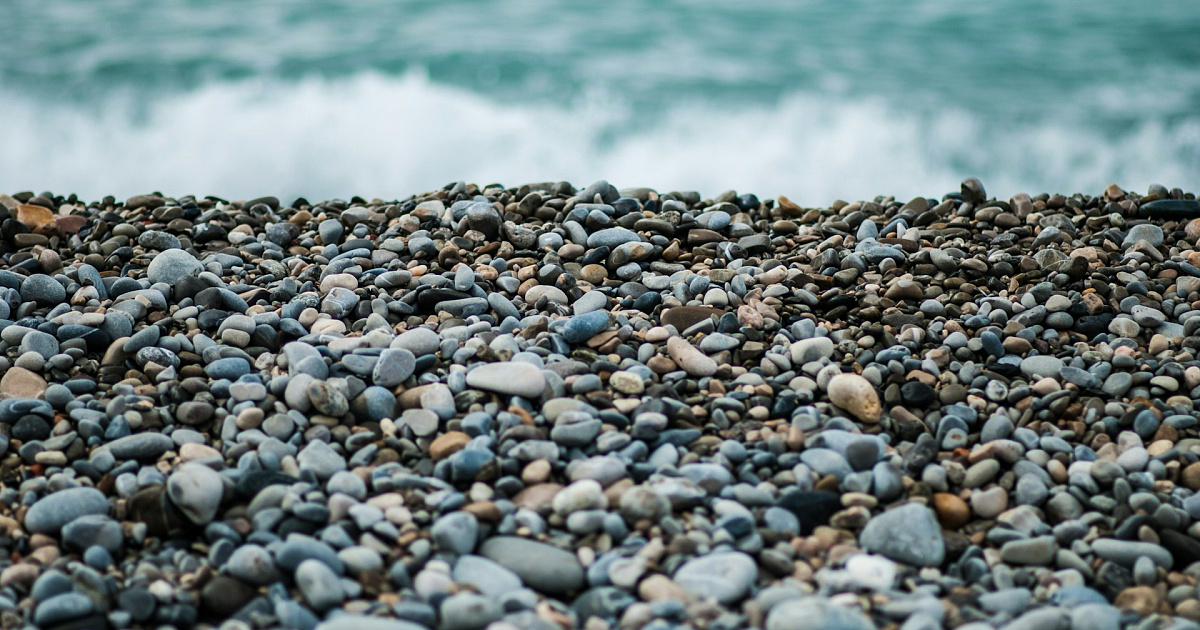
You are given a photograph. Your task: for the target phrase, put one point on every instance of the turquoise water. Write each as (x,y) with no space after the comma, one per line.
(816,100)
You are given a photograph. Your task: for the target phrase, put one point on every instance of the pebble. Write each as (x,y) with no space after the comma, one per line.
(811,613)
(196,490)
(170,265)
(540,566)
(394,367)
(456,532)
(48,515)
(43,290)
(1041,366)
(318,585)
(61,609)
(1148,233)
(689,358)
(809,350)
(490,578)
(252,564)
(1034,551)
(856,395)
(580,328)
(512,379)
(909,534)
(724,576)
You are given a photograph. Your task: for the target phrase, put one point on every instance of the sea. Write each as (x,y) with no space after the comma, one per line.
(815,100)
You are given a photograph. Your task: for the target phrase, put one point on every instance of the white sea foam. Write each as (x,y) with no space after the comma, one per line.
(380,136)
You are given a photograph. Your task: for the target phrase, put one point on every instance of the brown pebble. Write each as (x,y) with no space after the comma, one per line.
(660,588)
(70,224)
(448,444)
(39,220)
(1143,600)
(952,512)
(21,383)
(1191,477)
(538,496)
(1192,229)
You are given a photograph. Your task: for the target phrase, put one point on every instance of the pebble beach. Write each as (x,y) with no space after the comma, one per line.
(549,407)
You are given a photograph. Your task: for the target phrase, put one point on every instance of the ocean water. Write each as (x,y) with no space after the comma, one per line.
(814,100)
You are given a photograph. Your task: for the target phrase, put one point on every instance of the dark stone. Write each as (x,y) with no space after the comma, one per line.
(223,596)
(255,481)
(684,317)
(917,394)
(1092,325)
(428,299)
(813,507)
(97,340)
(152,507)
(31,428)
(1184,548)
(1170,209)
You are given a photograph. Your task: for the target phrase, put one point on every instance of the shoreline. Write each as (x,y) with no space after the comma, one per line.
(545,407)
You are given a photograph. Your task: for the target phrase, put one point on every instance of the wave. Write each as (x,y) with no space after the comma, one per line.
(386,136)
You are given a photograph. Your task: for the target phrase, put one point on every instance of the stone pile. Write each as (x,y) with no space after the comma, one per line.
(547,407)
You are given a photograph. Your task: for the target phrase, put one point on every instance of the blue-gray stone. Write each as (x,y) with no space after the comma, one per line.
(140,446)
(503,306)
(49,514)
(155,239)
(50,584)
(464,307)
(330,231)
(491,578)
(580,328)
(375,403)
(725,576)
(540,566)
(466,464)
(62,608)
(611,237)
(230,368)
(93,530)
(394,367)
(365,622)
(170,265)
(716,220)
(908,534)
(456,532)
(1041,365)
(43,289)
(12,409)
(1072,596)
(299,548)
(39,342)
(816,613)
(1148,232)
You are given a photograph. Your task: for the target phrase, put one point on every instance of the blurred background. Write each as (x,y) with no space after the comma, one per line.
(815,100)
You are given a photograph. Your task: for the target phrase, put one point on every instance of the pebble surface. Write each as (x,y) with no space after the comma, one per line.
(550,407)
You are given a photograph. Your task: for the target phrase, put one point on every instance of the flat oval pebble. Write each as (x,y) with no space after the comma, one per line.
(856,395)
(540,566)
(690,358)
(53,511)
(513,378)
